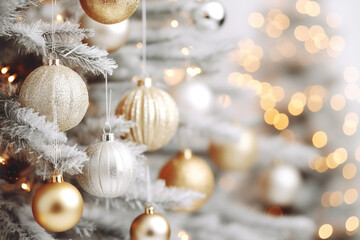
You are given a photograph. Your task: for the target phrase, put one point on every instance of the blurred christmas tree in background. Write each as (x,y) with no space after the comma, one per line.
(245,114)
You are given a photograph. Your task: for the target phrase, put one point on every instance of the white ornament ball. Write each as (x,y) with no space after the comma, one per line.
(210,16)
(110,170)
(282,185)
(109,37)
(56,90)
(192,98)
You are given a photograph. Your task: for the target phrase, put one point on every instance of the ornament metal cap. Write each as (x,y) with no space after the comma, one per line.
(53,62)
(186,153)
(146,82)
(107,137)
(56,178)
(149,210)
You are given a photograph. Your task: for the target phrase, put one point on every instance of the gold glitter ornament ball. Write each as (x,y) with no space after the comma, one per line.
(237,155)
(154,112)
(109,11)
(150,226)
(190,172)
(57,206)
(56,89)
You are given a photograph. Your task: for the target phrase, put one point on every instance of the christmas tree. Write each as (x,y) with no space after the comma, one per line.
(166,119)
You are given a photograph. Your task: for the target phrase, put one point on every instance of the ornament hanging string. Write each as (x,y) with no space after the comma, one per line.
(107,106)
(53,54)
(148,186)
(144,67)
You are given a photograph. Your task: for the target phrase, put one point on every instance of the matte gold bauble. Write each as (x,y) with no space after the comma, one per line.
(57,206)
(109,11)
(150,226)
(189,172)
(154,112)
(238,155)
(109,37)
(56,90)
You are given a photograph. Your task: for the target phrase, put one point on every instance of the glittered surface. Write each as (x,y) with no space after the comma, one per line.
(155,114)
(189,172)
(109,11)
(110,170)
(57,207)
(56,89)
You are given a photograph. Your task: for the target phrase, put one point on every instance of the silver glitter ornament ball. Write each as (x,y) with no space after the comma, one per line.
(56,90)
(110,170)
(209,16)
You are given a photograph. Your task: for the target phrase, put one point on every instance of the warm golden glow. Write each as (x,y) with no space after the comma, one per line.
(312,8)
(281,21)
(174,23)
(299,96)
(325,231)
(273,31)
(351,196)
(337,102)
(270,115)
(320,164)
(193,71)
(278,93)
(59,18)
(337,43)
(330,161)
(249,55)
(139,45)
(351,74)
(315,103)
(349,171)
(185,51)
(4,70)
(352,224)
(256,20)
(301,33)
(183,235)
(295,107)
(25,187)
(287,134)
(340,155)
(173,76)
(267,101)
(333,20)
(224,100)
(319,139)
(325,199)
(281,121)
(300,6)
(12,78)
(357,154)
(2,161)
(336,199)
(227,183)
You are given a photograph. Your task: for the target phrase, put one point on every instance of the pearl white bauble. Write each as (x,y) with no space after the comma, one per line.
(282,184)
(209,16)
(192,98)
(110,170)
(109,37)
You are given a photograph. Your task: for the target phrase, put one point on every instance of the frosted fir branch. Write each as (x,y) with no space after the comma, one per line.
(28,223)
(91,59)
(10,226)
(84,228)
(165,6)
(24,129)
(36,38)
(11,10)
(91,129)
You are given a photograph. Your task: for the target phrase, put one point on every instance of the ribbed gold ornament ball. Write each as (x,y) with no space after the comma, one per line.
(56,90)
(238,155)
(57,206)
(110,11)
(150,226)
(154,112)
(190,172)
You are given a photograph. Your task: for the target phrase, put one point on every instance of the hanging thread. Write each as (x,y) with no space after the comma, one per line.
(53,54)
(148,186)
(107,106)
(144,68)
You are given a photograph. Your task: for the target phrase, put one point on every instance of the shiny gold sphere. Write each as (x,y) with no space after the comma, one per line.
(109,11)
(235,156)
(154,112)
(57,206)
(56,90)
(189,172)
(150,226)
